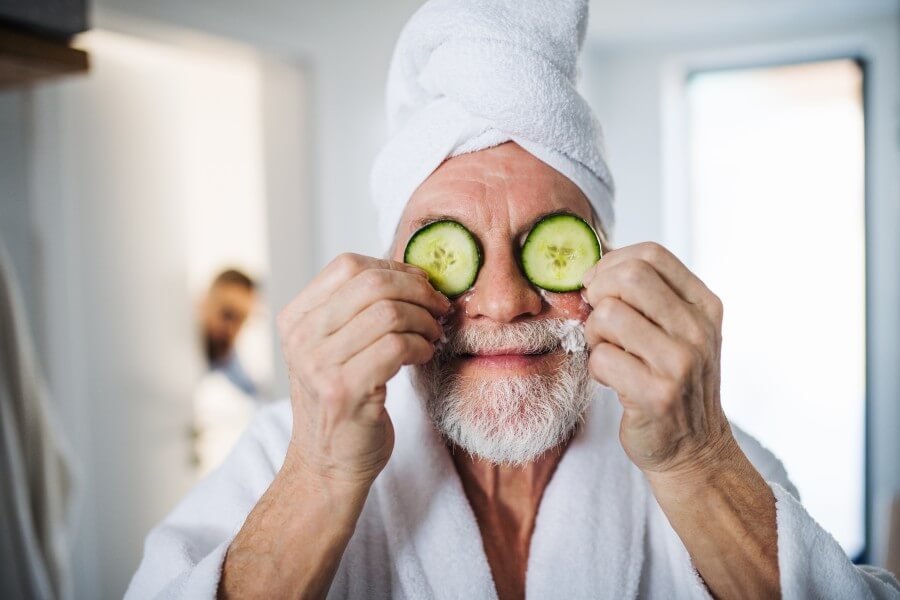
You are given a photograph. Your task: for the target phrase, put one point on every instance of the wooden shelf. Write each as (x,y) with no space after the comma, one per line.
(27,57)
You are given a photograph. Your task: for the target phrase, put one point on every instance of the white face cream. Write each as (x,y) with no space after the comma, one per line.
(571,336)
(570,331)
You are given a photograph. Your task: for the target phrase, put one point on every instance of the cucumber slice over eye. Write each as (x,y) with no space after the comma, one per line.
(448,252)
(558,251)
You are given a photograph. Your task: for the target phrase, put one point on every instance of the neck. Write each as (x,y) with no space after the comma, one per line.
(514,486)
(505,501)
(512,494)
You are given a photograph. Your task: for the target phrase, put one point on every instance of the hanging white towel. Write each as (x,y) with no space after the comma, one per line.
(35,470)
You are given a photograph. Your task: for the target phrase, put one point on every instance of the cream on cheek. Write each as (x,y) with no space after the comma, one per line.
(463,301)
(567,305)
(572,307)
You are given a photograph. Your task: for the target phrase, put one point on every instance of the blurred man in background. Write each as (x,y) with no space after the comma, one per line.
(223,312)
(226,396)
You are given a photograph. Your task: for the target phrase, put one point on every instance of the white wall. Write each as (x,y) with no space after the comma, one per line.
(286,155)
(116,291)
(115,160)
(630,86)
(346,47)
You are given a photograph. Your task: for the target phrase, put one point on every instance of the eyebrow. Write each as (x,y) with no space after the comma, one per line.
(429,219)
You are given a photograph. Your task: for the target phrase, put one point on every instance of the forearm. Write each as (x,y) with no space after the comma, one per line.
(725,516)
(293,540)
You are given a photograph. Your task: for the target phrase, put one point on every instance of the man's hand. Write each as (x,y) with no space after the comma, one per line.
(343,338)
(656,334)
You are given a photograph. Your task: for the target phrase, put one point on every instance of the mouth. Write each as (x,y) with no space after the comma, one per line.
(516,358)
(509,352)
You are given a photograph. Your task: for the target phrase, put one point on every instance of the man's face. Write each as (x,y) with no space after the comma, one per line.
(224,311)
(482,390)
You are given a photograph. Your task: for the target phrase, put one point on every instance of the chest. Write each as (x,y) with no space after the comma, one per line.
(506,536)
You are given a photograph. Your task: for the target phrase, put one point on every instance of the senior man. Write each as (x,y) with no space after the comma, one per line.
(536,444)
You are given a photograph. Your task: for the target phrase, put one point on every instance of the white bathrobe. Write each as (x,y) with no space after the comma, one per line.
(599,531)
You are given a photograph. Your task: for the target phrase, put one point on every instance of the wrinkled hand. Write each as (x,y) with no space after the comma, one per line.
(343,337)
(655,334)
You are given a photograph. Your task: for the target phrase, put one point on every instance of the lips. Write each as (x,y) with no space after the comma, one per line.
(506,352)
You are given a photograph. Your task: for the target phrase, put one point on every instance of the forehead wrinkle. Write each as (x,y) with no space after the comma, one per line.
(472,195)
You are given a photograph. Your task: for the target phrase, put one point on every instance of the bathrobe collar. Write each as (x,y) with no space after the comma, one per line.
(595,503)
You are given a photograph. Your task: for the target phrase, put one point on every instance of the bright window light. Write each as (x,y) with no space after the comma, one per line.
(777,231)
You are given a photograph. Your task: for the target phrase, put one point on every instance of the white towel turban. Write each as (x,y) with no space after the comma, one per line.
(471,74)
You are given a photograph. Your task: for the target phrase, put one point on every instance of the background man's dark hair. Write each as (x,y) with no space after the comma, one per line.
(233,276)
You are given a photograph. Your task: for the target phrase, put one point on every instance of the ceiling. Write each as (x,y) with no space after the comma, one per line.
(305,25)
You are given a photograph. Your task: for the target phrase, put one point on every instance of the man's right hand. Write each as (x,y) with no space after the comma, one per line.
(343,337)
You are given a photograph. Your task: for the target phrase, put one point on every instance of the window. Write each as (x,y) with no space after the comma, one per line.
(776,228)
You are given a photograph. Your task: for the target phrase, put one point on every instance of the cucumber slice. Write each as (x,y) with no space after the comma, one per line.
(448,252)
(558,251)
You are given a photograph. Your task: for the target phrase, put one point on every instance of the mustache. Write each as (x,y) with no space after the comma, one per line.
(528,337)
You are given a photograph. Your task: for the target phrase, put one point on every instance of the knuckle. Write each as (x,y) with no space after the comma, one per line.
(652,252)
(683,361)
(395,343)
(606,308)
(634,272)
(374,279)
(696,334)
(603,358)
(347,263)
(388,312)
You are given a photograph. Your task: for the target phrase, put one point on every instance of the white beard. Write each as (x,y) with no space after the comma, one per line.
(509,421)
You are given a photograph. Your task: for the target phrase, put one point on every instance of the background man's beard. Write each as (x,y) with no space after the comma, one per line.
(508,420)
(216,349)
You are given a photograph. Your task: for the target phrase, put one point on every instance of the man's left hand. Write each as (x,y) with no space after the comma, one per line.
(655,335)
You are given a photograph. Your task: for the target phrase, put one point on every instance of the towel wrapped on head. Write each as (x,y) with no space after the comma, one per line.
(471,74)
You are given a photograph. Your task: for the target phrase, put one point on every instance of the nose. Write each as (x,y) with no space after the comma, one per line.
(501,292)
